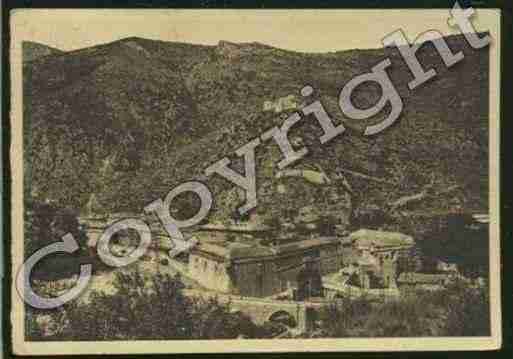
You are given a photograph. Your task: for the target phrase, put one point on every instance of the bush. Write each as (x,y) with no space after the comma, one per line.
(271,329)
(164,261)
(468,311)
(400,318)
(212,320)
(143,309)
(458,310)
(46,223)
(344,317)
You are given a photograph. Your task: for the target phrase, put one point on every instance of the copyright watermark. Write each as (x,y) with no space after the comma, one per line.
(316,111)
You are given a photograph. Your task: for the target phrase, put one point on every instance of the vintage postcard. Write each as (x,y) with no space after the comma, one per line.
(201,181)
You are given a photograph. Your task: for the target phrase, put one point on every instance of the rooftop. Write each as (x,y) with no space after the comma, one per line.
(422,278)
(305,244)
(339,278)
(217,243)
(368,237)
(234,250)
(235,227)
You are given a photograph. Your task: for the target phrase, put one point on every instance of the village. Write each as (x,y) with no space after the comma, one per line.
(216,183)
(289,274)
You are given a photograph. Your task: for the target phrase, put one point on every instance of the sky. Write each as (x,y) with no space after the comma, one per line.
(299,30)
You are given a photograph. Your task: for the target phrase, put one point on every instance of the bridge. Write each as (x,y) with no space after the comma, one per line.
(261,310)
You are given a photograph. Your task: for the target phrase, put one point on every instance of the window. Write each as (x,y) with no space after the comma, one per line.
(260,280)
(260,268)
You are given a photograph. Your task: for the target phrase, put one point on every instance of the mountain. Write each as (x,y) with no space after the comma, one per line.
(34,50)
(129,120)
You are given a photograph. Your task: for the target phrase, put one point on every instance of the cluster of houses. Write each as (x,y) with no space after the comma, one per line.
(249,259)
(241,260)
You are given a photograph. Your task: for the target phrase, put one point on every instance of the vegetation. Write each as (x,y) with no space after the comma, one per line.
(455,311)
(45,223)
(143,308)
(159,112)
(116,126)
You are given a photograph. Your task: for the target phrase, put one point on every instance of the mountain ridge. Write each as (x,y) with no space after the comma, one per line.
(32,50)
(127,123)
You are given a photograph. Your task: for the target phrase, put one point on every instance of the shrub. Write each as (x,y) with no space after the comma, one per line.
(468,311)
(344,317)
(46,223)
(145,308)
(400,318)
(164,261)
(458,310)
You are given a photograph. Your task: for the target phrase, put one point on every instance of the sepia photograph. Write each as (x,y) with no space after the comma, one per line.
(204,181)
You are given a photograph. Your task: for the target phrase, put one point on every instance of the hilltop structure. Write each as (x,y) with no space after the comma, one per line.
(298,267)
(371,261)
(378,255)
(240,263)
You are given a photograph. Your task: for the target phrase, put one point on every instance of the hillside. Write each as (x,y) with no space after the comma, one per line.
(130,119)
(33,50)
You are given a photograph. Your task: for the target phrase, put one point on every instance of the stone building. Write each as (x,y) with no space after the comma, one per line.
(371,264)
(410,281)
(378,255)
(239,264)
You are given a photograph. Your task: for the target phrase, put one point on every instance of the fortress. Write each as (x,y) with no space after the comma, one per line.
(237,262)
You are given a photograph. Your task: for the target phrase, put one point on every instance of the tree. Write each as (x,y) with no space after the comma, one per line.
(214,320)
(401,318)
(468,311)
(147,308)
(344,317)
(46,223)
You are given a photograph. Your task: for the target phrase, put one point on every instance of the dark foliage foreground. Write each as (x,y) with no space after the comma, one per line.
(157,309)
(456,311)
(142,310)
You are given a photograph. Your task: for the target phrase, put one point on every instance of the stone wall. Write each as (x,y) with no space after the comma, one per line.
(281,104)
(261,310)
(210,273)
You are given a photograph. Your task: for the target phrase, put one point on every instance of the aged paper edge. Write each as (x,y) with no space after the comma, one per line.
(22,347)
